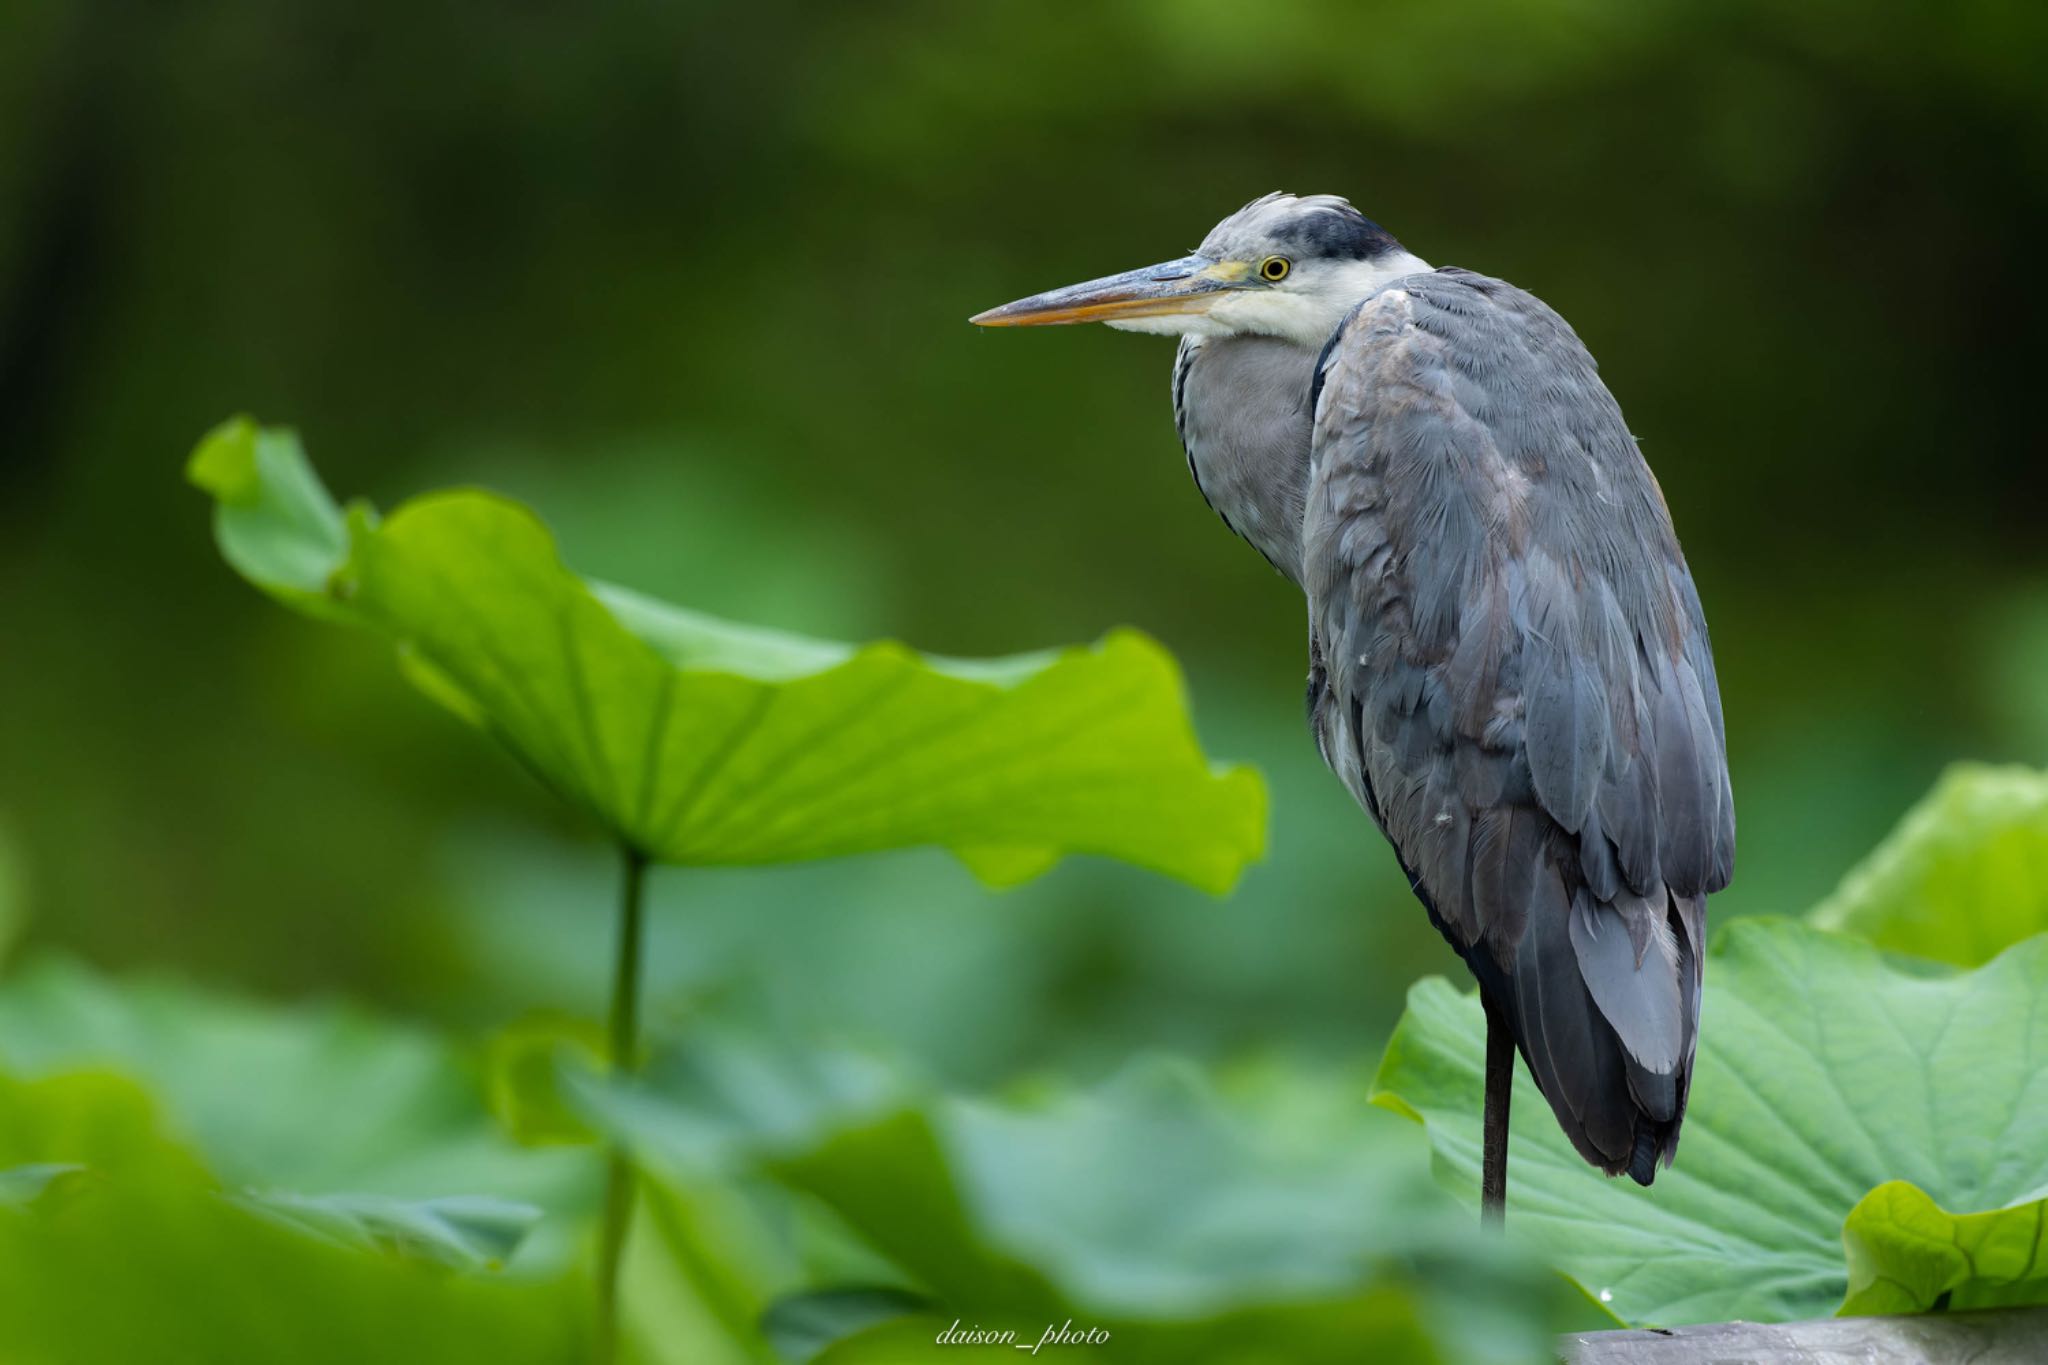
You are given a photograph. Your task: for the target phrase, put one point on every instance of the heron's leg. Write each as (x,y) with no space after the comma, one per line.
(1493,1138)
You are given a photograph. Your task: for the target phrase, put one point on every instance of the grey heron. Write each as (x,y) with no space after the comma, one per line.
(1508,661)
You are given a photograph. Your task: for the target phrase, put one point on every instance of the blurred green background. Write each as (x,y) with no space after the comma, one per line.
(693,280)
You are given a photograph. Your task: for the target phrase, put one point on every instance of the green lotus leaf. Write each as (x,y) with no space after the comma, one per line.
(1189,1224)
(316,1113)
(1907,1254)
(523,1070)
(802,1327)
(1824,1072)
(470,1232)
(701,742)
(128,1250)
(24,1185)
(1962,878)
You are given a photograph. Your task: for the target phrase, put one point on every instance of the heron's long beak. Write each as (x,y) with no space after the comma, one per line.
(1188,285)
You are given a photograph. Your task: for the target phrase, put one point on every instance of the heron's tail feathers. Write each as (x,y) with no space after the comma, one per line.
(1604,1000)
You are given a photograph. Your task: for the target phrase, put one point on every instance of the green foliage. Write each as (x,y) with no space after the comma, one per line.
(701,742)
(1907,1254)
(275,521)
(524,1064)
(1823,1072)
(803,1326)
(1277,1219)
(318,1101)
(21,1186)
(135,1254)
(471,1232)
(1280,1216)
(1962,878)
(104,1126)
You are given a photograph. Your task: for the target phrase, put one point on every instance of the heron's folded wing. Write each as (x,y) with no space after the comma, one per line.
(1518,682)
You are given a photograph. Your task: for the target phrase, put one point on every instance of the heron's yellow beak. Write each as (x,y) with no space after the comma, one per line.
(1188,285)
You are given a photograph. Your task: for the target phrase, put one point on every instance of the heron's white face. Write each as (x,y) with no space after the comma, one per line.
(1281,266)
(1304,306)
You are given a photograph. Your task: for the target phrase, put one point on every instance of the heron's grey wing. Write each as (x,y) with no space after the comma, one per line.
(1515,680)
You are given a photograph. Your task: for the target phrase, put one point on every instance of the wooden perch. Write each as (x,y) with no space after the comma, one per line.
(1993,1336)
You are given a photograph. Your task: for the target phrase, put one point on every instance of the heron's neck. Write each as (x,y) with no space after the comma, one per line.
(1242,406)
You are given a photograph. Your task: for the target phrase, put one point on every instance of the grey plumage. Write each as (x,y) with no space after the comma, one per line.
(1511,641)
(1508,663)
(1241,405)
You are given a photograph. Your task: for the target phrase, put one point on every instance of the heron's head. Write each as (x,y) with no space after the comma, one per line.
(1285,265)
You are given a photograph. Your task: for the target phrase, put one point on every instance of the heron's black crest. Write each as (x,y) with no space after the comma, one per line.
(1309,227)
(1336,232)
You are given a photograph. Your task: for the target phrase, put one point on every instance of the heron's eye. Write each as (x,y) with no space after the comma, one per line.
(1274,269)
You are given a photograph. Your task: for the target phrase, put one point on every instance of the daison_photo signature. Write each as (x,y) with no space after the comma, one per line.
(1055,1334)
